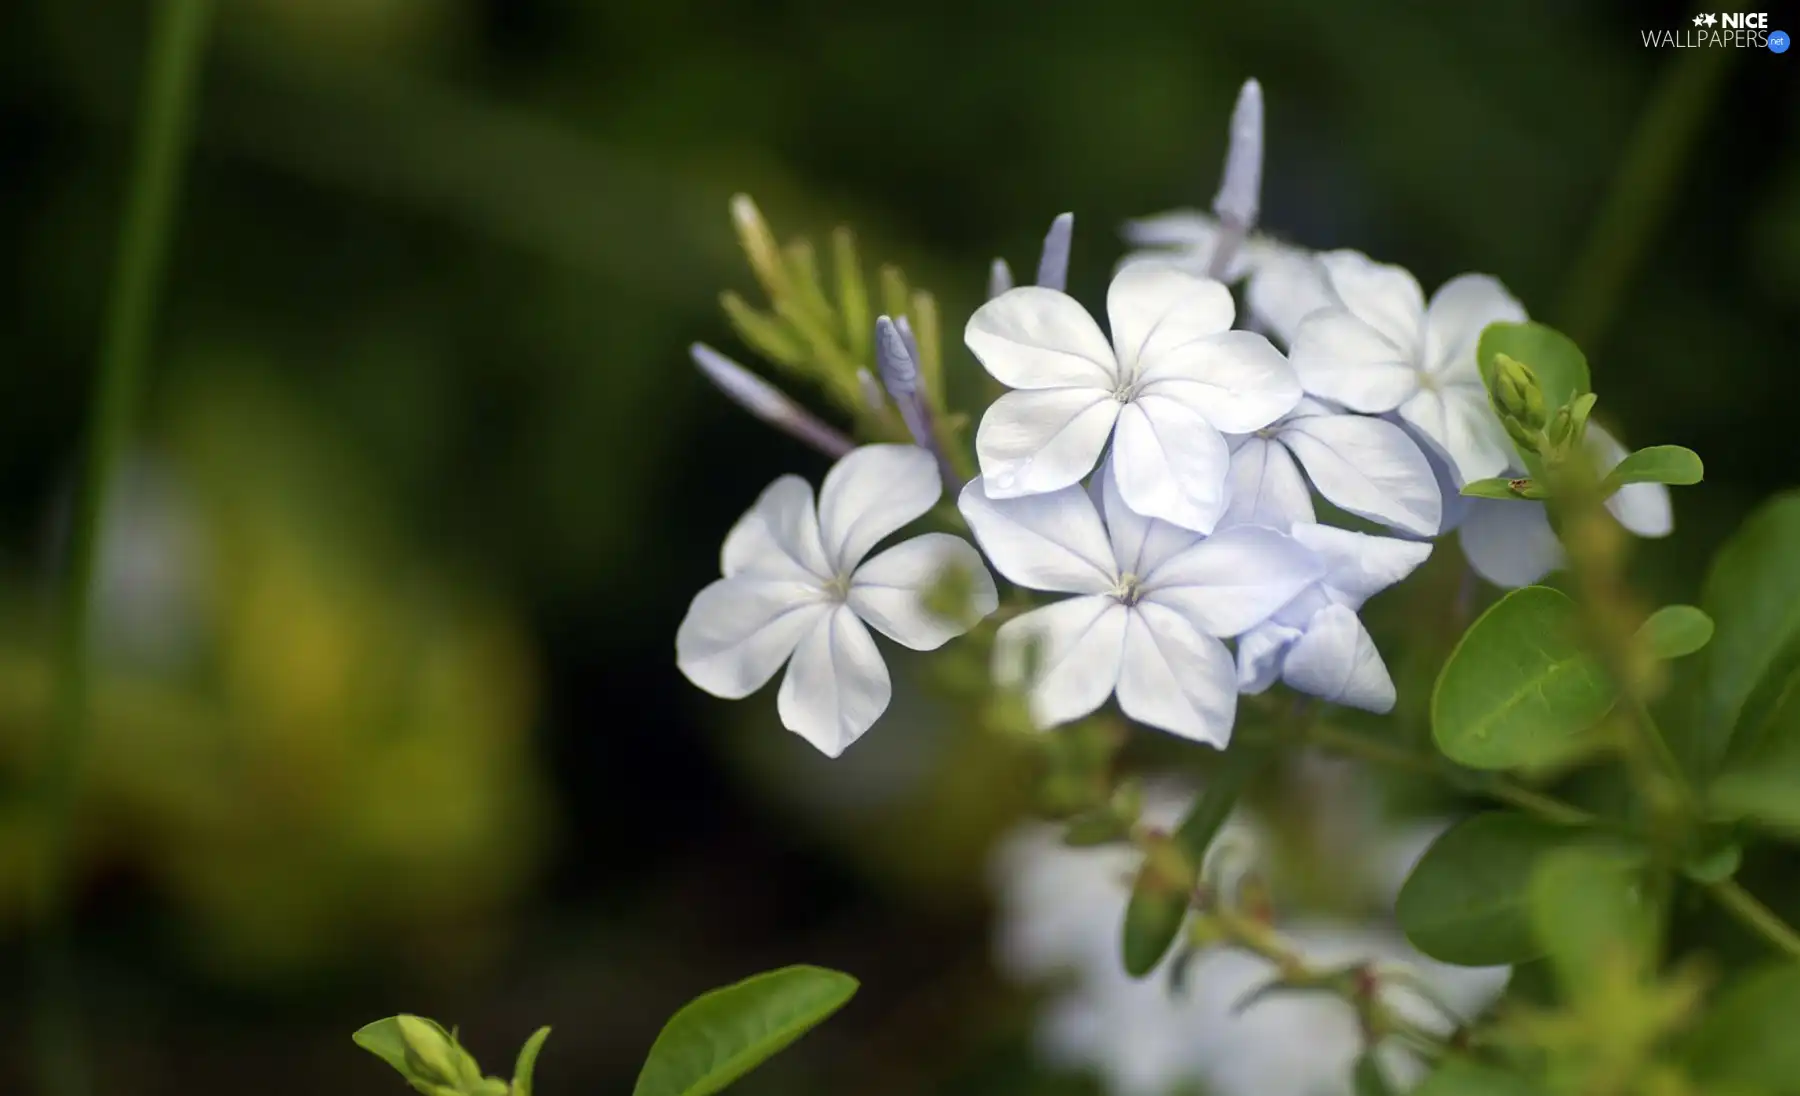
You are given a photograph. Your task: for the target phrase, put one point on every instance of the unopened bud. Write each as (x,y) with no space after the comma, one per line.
(759,245)
(431,1055)
(1519,393)
(1561,428)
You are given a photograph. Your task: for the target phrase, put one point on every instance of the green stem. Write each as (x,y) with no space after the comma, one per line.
(163,129)
(1640,193)
(1755,916)
(1549,808)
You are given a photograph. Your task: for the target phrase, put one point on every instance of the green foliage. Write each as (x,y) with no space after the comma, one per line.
(1752,593)
(1676,631)
(526,1065)
(1467,901)
(722,1035)
(1368,1078)
(1165,884)
(1502,488)
(430,1058)
(1589,907)
(1520,690)
(1670,464)
(1746,1040)
(1460,1077)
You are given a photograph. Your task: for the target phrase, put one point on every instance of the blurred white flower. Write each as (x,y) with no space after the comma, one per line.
(1282,284)
(1316,642)
(796,584)
(1059,916)
(1381,348)
(1173,381)
(1366,465)
(1154,600)
(1510,543)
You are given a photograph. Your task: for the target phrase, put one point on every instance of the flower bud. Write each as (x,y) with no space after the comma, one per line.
(1561,428)
(431,1055)
(759,245)
(1519,394)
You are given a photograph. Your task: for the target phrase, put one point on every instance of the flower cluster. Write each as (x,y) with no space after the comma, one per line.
(1173,472)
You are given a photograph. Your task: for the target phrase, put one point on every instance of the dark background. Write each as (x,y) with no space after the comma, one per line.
(425,479)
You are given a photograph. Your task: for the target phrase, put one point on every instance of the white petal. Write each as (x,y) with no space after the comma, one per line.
(1340,357)
(1384,296)
(1032,337)
(1170,463)
(1175,677)
(1260,653)
(1139,544)
(1265,487)
(778,537)
(1457,419)
(1182,229)
(870,494)
(1234,579)
(1455,503)
(837,685)
(1459,310)
(1643,508)
(738,632)
(890,590)
(1155,306)
(1051,542)
(1338,661)
(1285,288)
(1077,643)
(1358,566)
(1036,441)
(1370,468)
(1510,543)
(1235,380)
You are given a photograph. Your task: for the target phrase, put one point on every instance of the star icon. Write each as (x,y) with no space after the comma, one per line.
(1699,20)
(1711,19)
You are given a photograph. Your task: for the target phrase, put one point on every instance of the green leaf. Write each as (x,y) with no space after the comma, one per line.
(1368,1078)
(1500,487)
(527,1063)
(722,1035)
(1460,1077)
(1467,900)
(1560,366)
(1518,690)
(1752,592)
(1587,906)
(1768,795)
(1165,884)
(383,1039)
(1656,464)
(1746,1039)
(1675,631)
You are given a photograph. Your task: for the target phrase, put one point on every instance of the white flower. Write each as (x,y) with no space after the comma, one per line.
(1174,380)
(1363,464)
(1510,543)
(1381,348)
(1059,911)
(1283,284)
(796,585)
(1154,600)
(1316,643)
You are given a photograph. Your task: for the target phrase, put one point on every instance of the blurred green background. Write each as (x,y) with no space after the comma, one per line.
(389,719)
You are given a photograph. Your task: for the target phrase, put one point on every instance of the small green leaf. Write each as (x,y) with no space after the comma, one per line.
(1368,1078)
(1159,903)
(1670,464)
(1752,592)
(1587,905)
(1714,864)
(1518,690)
(383,1039)
(527,1063)
(1466,901)
(722,1035)
(1512,490)
(1767,795)
(1560,366)
(1746,1039)
(1675,631)
(1460,1077)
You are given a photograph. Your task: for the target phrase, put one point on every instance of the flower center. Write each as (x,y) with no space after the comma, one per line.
(838,589)
(1129,590)
(1126,390)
